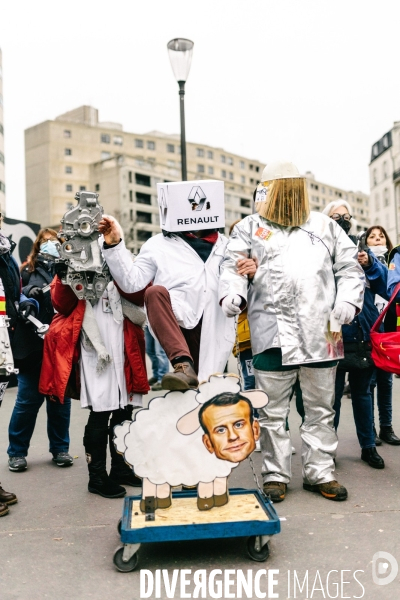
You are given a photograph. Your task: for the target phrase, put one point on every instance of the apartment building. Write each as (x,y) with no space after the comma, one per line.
(2,174)
(384,170)
(76,152)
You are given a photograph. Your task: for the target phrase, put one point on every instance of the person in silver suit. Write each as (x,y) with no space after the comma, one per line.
(308,283)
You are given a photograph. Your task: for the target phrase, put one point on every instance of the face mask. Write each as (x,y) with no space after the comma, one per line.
(378,250)
(345,225)
(49,247)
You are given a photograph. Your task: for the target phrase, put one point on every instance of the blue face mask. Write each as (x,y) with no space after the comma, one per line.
(49,247)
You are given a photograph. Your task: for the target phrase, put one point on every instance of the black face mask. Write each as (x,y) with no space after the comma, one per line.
(345,225)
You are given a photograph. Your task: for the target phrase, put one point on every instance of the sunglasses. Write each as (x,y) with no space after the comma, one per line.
(346,217)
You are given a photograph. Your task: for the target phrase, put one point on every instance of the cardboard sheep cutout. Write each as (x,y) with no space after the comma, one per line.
(192,438)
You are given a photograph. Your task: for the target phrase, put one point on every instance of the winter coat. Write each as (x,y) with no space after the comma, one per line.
(62,346)
(192,285)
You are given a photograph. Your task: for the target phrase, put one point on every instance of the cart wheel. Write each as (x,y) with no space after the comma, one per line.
(124,567)
(257,555)
(119,526)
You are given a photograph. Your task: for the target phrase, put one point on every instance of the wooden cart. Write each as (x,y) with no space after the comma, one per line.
(247,514)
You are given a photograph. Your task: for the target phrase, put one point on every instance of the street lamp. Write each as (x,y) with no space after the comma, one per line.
(180,54)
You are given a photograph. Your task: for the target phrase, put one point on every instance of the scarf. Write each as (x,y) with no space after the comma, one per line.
(5,244)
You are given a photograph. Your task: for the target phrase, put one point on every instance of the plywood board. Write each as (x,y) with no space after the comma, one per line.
(184,511)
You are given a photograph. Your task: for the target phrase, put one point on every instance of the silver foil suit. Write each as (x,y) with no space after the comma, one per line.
(87,273)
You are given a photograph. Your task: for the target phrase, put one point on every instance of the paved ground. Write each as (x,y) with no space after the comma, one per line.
(58,541)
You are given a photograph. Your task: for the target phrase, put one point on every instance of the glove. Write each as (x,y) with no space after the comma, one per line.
(27,309)
(343,312)
(36,293)
(231,305)
(60,268)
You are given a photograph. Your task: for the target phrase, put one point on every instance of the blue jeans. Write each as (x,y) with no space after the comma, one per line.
(246,363)
(159,360)
(23,418)
(384,383)
(360,388)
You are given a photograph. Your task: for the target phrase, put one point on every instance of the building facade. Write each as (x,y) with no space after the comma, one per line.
(2,172)
(77,152)
(384,171)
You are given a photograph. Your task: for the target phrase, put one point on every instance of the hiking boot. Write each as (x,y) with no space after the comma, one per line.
(378,442)
(183,378)
(63,459)
(370,456)
(331,490)
(387,435)
(276,490)
(7,497)
(3,509)
(17,463)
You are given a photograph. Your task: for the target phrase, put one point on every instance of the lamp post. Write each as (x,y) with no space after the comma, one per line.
(180,54)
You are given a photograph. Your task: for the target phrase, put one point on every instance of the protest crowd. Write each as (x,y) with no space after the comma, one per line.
(293,293)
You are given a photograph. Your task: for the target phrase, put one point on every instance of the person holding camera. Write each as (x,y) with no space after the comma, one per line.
(37,274)
(357,348)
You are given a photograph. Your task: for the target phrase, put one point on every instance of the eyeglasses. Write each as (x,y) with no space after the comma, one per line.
(346,217)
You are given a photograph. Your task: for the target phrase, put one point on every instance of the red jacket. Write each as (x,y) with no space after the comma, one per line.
(62,348)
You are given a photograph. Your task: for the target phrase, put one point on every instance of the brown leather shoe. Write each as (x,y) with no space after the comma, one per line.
(205,503)
(7,497)
(183,378)
(276,490)
(331,490)
(3,509)
(221,500)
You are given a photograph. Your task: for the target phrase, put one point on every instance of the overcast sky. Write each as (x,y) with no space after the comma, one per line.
(313,81)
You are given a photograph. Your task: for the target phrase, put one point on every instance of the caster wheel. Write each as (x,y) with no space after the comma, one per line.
(257,555)
(119,526)
(124,567)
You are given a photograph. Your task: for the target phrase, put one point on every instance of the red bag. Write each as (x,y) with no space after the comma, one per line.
(386,346)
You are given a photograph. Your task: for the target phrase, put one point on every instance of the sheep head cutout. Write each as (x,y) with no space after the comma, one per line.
(192,438)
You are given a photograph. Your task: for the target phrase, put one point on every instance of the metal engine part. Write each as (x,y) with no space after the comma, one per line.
(87,272)
(6,356)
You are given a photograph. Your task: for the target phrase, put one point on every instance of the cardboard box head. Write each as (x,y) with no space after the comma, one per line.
(191,205)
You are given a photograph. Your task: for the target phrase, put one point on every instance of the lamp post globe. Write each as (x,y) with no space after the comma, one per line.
(180,52)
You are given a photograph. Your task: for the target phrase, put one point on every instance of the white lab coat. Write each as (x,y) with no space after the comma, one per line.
(192,285)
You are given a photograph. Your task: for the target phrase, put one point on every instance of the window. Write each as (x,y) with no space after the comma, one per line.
(386,197)
(251,180)
(130,176)
(200,168)
(130,196)
(210,154)
(330,192)
(1,129)
(67,133)
(118,140)
(384,169)
(200,152)
(68,169)
(229,160)
(105,155)
(377,203)
(67,151)
(231,176)
(210,170)
(386,141)
(142,179)
(143,217)
(82,188)
(374,178)
(242,179)
(243,215)
(1,157)
(68,187)
(257,169)
(170,148)
(138,143)
(131,215)
(322,190)
(245,202)
(223,173)
(223,158)
(143,236)
(97,187)
(105,138)
(2,187)
(151,145)
(143,198)
(241,164)
(251,167)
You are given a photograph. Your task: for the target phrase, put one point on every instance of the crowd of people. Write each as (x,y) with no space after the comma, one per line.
(304,291)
